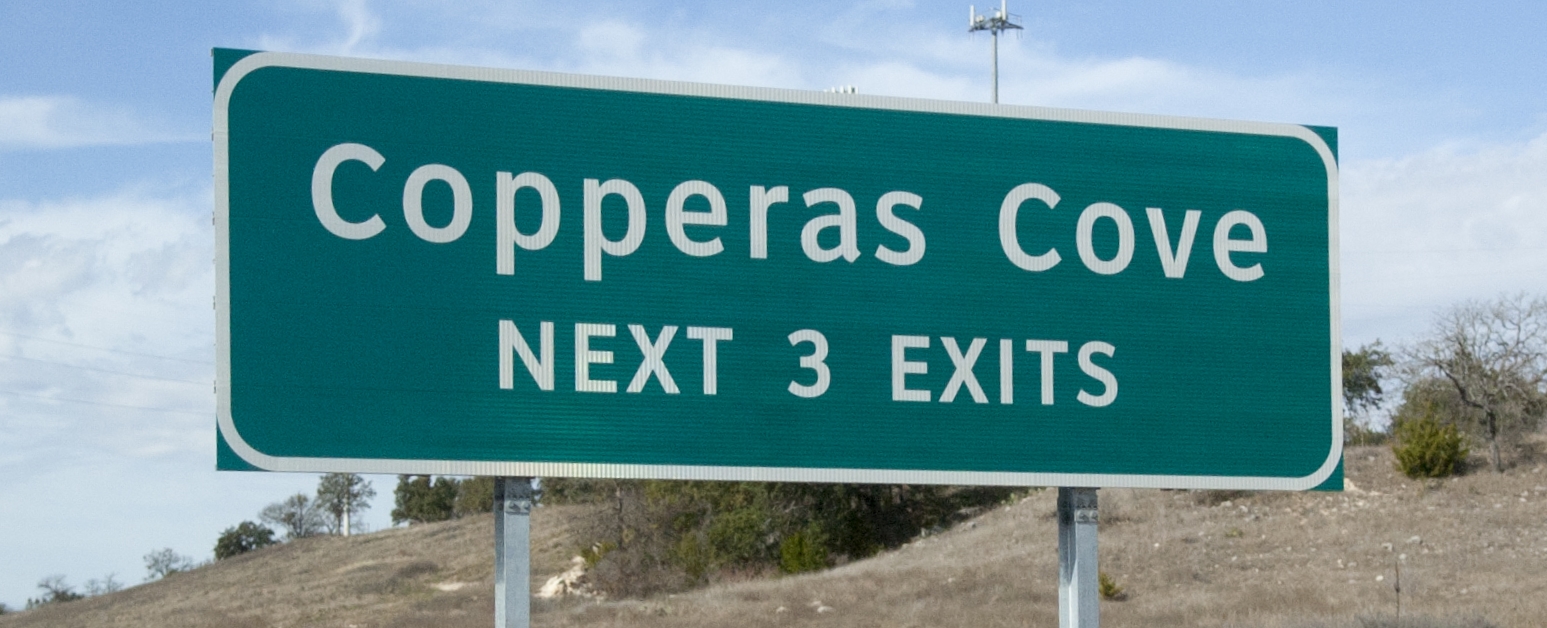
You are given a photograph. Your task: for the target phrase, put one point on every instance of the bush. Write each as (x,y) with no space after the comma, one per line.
(805,550)
(1426,448)
(242,538)
(1108,588)
(650,537)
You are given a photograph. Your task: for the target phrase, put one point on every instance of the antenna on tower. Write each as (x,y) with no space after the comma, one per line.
(999,22)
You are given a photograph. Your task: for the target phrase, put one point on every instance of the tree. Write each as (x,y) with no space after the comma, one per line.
(55,591)
(475,496)
(165,562)
(297,516)
(1362,374)
(108,584)
(1494,354)
(1363,371)
(342,495)
(242,538)
(422,499)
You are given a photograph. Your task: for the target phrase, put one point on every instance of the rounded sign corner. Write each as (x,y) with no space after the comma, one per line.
(239,446)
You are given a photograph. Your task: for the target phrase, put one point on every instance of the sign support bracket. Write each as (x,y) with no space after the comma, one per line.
(1078,597)
(513,499)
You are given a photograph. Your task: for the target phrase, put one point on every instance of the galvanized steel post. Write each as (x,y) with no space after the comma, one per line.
(1078,598)
(513,552)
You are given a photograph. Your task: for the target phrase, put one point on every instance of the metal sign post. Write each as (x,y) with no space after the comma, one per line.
(1078,599)
(512,552)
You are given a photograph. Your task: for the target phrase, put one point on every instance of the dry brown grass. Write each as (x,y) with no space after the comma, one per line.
(1303,560)
(386,578)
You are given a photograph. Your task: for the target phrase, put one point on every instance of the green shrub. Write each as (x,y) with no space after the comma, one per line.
(595,552)
(738,537)
(475,496)
(666,536)
(1108,587)
(803,551)
(242,538)
(692,557)
(1427,448)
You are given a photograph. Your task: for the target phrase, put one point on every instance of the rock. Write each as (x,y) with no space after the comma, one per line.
(572,582)
(1415,539)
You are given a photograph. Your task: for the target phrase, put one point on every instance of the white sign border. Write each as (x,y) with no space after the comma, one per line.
(227,426)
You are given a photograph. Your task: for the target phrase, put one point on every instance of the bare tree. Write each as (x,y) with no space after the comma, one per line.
(55,591)
(1494,353)
(106,585)
(165,562)
(298,516)
(342,495)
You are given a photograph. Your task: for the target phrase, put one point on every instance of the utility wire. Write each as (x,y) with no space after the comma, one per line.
(112,372)
(1516,249)
(104,404)
(76,344)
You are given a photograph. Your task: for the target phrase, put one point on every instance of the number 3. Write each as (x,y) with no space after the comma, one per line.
(813,362)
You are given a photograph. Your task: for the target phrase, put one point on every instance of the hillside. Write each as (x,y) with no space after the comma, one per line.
(1471,549)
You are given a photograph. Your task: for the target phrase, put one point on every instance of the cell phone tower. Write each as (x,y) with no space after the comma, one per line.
(999,22)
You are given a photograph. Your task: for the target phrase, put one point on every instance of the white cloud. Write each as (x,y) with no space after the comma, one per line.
(611,39)
(45,122)
(1431,229)
(359,19)
(864,46)
(360,26)
(106,330)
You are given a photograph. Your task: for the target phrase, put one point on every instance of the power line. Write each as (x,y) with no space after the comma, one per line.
(1522,249)
(76,344)
(104,404)
(112,372)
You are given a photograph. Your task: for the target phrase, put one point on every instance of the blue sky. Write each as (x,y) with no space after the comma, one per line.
(106,333)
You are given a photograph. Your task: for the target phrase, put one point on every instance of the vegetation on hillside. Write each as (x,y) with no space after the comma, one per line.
(1494,356)
(1479,373)
(242,538)
(655,536)
(423,499)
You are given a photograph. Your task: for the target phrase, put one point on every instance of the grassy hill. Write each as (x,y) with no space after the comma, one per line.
(1473,552)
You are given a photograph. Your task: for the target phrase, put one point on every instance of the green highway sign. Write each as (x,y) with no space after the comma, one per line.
(453,270)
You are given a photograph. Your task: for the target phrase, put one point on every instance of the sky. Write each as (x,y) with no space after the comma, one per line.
(106,245)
